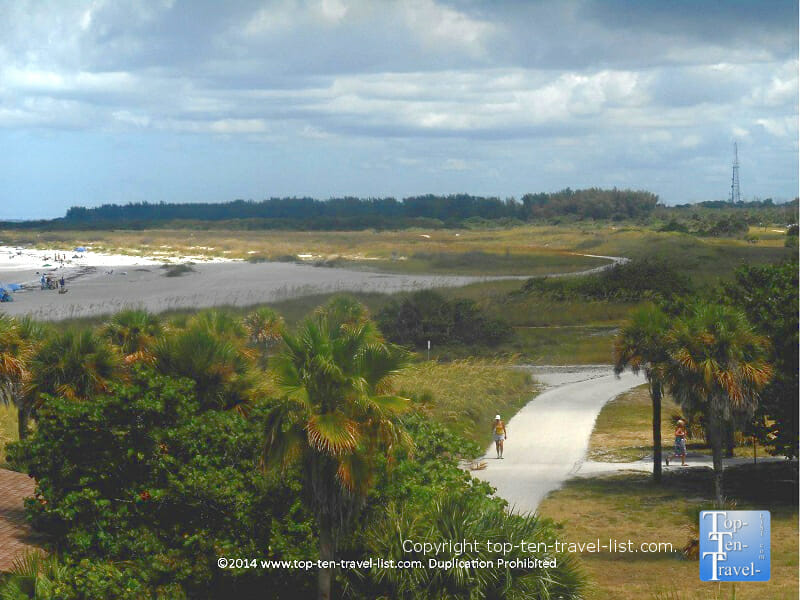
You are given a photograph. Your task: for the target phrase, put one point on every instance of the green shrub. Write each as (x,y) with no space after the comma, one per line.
(626,282)
(145,476)
(427,316)
(178,270)
(428,498)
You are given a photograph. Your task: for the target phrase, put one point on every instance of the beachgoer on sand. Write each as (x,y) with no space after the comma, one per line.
(500,434)
(680,443)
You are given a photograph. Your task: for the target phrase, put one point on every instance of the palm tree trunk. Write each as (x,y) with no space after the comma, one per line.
(22,422)
(715,435)
(655,395)
(730,438)
(325,575)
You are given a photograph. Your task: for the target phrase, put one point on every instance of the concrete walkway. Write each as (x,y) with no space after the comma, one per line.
(16,535)
(548,439)
(592,468)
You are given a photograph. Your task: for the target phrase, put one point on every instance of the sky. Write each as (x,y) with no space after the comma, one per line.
(121,101)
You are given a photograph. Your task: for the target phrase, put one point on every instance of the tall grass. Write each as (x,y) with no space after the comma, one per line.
(8,428)
(466,394)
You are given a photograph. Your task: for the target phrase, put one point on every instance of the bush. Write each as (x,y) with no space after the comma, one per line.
(178,270)
(427,315)
(428,498)
(628,282)
(145,476)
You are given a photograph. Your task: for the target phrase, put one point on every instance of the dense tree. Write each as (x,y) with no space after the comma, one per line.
(143,488)
(641,345)
(768,295)
(335,417)
(717,367)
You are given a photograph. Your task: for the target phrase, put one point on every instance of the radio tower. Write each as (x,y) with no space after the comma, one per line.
(735,194)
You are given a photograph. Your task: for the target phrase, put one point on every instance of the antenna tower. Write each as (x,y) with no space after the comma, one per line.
(736,196)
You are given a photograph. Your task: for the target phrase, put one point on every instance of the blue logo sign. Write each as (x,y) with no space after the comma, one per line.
(734,545)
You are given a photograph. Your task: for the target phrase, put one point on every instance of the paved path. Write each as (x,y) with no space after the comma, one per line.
(15,533)
(592,468)
(548,439)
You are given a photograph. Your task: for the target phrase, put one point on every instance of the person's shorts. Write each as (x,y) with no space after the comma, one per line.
(499,437)
(680,445)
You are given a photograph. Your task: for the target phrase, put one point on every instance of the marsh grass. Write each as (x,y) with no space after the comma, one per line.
(466,394)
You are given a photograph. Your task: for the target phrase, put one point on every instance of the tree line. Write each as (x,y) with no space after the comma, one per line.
(358,213)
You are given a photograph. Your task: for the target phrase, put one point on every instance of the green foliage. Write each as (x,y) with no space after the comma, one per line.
(718,366)
(427,315)
(428,498)
(77,363)
(146,476)
(647,278)
(209,352)
(342,214)
(768,295)
(133,331)
(591,203)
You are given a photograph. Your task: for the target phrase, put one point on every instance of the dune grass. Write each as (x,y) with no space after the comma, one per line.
(466,394)
(529,249)
(630,507)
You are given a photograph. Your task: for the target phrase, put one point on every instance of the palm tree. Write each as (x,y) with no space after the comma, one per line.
(134,332)
(641,345)
(33,575)
(15,355)
(208,353)
(76,364)
(718,366)
(337,412)
(264,327)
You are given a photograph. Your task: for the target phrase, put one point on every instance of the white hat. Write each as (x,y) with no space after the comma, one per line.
(497,417)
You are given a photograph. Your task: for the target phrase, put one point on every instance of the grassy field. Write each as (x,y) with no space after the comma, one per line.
(531,249)
(630,507)
(466,394)
(623,431)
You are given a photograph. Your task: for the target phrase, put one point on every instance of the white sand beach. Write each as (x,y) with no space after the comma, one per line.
(100,284)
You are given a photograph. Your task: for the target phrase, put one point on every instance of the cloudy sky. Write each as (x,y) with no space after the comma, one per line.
(201,100)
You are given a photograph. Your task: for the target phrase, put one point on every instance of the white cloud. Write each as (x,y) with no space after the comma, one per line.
(779,127)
